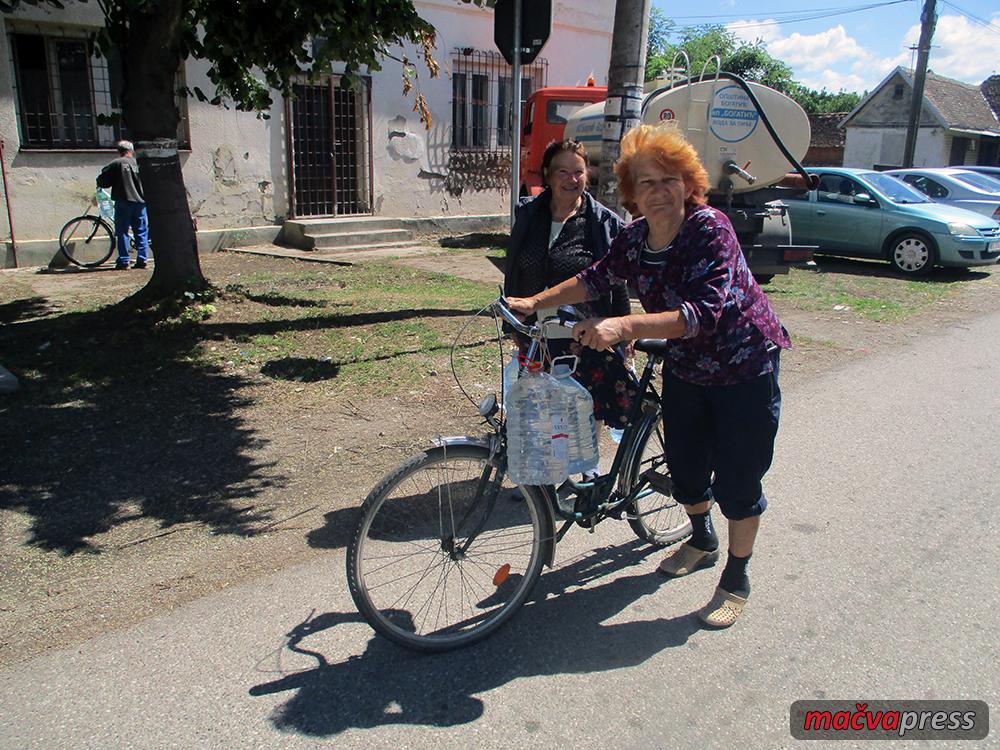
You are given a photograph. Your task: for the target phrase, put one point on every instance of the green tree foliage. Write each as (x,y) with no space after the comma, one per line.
(750,61)
(701,43)
(816,102)
(251,48)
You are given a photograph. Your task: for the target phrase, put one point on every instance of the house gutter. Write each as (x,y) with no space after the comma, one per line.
(967,131)
(6,198)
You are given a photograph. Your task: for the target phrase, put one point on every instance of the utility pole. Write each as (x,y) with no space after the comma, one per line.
(928,19)
(625,79)
(515,130)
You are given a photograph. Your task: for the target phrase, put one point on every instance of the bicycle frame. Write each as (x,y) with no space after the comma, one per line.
(604,490)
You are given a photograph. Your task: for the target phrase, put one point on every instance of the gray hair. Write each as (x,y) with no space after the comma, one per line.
(124,146)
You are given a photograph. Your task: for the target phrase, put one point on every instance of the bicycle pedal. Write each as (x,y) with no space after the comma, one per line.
(662,483)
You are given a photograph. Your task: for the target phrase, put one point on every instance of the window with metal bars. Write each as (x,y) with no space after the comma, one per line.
(68,97)
(482,97)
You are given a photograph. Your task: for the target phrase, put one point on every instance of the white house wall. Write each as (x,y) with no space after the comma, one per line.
(867,147)
(409,169)
(236,171)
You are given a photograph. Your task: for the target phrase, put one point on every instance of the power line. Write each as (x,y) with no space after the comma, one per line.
(795,15)
(981,21)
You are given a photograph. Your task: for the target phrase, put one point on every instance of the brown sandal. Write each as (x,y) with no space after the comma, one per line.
(723,610)
(687,559)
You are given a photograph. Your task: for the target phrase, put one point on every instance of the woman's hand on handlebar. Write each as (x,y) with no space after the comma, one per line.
(600,333)
(522,307)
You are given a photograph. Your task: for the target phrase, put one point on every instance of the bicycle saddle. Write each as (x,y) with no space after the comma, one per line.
(651,346)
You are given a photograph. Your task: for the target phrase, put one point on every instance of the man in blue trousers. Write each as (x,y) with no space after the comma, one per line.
(122,176)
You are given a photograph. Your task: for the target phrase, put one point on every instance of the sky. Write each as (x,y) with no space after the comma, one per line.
(852,45)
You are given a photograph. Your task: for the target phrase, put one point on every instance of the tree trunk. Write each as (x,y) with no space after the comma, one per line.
(151,55)
(625,79)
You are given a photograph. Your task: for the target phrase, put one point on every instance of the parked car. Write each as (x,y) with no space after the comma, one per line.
(865,214)
(993,172)
(956,186)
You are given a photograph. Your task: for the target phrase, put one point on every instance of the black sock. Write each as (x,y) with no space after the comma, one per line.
(734,576)
(703,534)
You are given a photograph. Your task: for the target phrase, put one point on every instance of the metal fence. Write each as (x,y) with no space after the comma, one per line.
(68,97)
(482,88)
(330,148)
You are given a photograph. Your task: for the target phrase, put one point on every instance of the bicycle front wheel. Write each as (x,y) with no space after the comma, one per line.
(87,241)
(443,554)
(655,516)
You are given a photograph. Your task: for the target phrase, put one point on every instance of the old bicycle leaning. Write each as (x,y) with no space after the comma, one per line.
(445,552)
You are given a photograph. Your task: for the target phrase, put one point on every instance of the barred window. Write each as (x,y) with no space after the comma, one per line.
(65,93)
(482,94)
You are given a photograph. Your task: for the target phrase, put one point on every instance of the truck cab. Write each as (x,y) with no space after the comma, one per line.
(545,113)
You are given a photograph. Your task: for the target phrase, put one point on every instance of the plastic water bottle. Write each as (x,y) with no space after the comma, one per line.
(583,446)
(537,430)
(105,205)
(510,373)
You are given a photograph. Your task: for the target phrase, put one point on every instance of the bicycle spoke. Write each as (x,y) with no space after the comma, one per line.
(418,579)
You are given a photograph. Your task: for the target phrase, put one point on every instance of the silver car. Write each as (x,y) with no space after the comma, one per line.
(957,187)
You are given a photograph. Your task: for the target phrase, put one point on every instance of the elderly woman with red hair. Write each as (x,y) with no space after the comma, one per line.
(721,399)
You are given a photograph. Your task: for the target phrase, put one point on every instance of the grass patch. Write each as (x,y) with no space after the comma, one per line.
(371,329)
(376,326)
(867,290)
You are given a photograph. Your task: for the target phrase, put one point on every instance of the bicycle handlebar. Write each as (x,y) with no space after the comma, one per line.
(564,319)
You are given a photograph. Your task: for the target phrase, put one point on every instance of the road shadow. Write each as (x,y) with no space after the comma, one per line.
(561,630)
(118,418)
(881,269)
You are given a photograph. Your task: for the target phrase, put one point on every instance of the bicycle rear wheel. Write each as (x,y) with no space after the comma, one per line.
(655,517)
(443,555)
(87,241)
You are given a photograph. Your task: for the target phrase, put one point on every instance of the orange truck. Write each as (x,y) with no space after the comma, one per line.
(545,115)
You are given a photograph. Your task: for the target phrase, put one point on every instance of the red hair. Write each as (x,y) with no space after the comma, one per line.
(667,146)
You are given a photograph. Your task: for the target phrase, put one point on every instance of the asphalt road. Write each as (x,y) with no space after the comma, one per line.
(875,577)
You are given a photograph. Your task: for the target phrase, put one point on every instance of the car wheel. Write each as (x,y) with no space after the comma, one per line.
(912,254)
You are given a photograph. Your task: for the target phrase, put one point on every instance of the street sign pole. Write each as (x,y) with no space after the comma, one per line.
(515,131)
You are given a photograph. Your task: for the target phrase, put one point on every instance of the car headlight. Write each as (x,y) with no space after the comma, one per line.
(962,230)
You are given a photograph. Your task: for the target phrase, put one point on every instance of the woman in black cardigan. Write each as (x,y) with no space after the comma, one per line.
(555,236)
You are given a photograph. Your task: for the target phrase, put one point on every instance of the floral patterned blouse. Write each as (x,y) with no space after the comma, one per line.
(730,325)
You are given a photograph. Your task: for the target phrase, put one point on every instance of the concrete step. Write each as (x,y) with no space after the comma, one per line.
(344,224)
(303,233)
(335,240)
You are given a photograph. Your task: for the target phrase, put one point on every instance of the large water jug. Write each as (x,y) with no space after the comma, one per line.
(583,445)
(537,432)
(105,206)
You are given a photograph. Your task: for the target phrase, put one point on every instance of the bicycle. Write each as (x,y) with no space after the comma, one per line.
(444,555)
(89,240)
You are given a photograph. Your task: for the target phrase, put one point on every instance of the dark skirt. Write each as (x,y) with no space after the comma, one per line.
(605,376)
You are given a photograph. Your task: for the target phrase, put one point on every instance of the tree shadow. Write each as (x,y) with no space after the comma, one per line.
(476,239)
(560,630)
(301,369)
(273,299)
(244,331)
(116,418)
(22,309)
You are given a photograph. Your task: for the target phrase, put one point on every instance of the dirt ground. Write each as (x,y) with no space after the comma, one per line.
(276,470)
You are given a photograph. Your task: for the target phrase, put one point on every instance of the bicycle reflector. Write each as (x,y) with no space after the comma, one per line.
(502,574)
